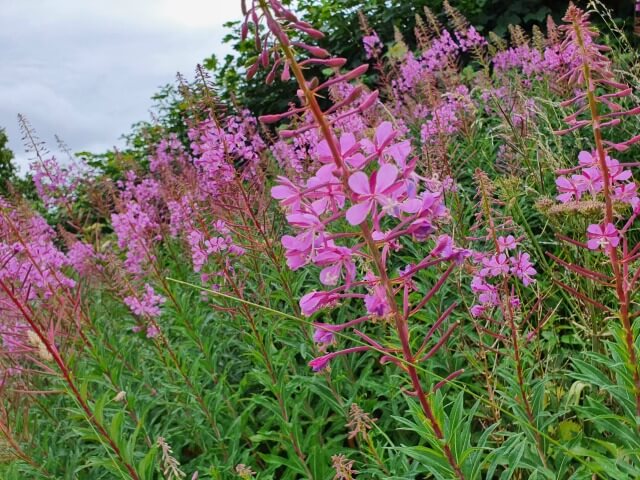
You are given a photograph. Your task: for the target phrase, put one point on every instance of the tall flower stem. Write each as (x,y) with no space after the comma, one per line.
(400,321)
(68,377)
(509,315)
(623,293)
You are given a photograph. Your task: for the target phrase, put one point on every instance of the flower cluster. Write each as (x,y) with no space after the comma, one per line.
(168,152)
(146,305)
(29,257)
(447,118)
(494,269)
(589,180)
(392,198)
(217,149)
(372,45)
(136,231)
(55,183)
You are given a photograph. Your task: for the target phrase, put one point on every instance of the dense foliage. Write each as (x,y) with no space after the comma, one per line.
(421,266)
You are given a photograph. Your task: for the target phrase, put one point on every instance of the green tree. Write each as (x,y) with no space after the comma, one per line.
(7,167)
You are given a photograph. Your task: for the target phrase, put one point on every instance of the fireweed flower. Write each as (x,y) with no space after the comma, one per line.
(522,268)
(147,305)
(372,45)
(379,197)
(507,243)
(339,259)
(602,236)
(371,191)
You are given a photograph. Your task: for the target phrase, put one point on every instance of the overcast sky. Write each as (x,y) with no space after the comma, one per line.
(86,70)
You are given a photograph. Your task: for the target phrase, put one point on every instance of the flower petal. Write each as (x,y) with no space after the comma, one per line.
(358,212)
(359,183)
(385,177)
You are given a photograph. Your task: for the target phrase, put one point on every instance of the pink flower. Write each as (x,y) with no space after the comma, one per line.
(338,259)
(314,301)
(522,268)
(495,265)
(602,236)
(152,331)
(348,150)
(327,189)
(370,191)
(568,189)
(288,194)
(590,181)
(320,363)
(324,333)
(372,45)
(147,305)
(377,303)
(627,193)
(487,294)
(507,243)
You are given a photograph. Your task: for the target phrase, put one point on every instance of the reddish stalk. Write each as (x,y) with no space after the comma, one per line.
(68,377)
(400,321)
(622,292)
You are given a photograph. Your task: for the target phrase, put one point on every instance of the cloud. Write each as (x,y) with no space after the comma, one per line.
(86,70)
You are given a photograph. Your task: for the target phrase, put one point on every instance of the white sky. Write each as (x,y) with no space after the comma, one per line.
(86,69)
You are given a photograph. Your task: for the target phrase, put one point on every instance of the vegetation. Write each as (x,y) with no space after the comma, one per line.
(422,263)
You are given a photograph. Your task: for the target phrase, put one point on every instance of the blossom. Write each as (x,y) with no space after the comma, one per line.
(147,305)
(602,236)
(314,301)
(522,268)
(507,243)
(372,45)
(495,265)
(568,189)
(377,189)
(338,259)
(320,363)
(377,303)
(348,150)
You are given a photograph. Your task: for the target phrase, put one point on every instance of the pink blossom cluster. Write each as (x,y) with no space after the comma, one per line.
(447,118)
(372,45)
(168,152)
(136,231)
(147,304)
(217,149)
(202,247)
(555,60)
(587,179)
(416,70)
(295,155)
(384,191)
(470,39)
(55,183)
(145,191)
(34,273)
(495,269)
(84,259)
(29,257)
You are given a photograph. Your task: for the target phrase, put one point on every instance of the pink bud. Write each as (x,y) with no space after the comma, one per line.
(252,71)
(369,101)
(286,74)
(356,72)
(315,51)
